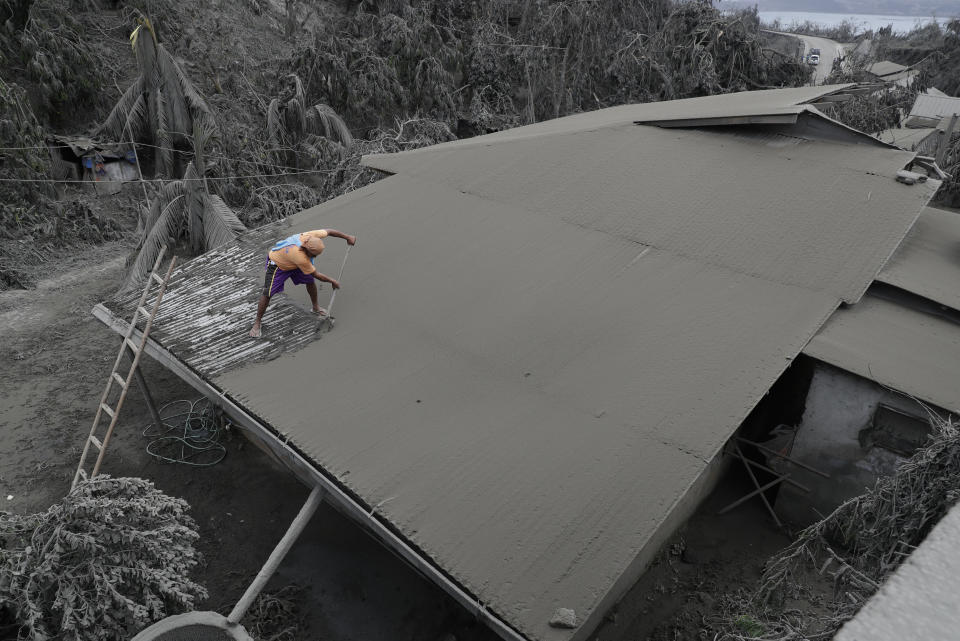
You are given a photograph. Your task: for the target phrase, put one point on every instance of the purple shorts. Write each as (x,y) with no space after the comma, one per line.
(275,277)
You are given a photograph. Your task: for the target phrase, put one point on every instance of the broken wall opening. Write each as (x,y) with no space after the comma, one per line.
(856,431)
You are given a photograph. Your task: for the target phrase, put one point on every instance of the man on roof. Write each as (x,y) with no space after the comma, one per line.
(292,258)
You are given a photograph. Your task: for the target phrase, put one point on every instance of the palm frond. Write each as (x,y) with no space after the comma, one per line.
(164,139)
(274,124)
(145,47)
(137,118)
(326,122)
(298,91)
(179,112)
(196,196)
(160,233)
(220,224)
(204,129)
(295,116)
(167,194)
(171,72)
(113,127)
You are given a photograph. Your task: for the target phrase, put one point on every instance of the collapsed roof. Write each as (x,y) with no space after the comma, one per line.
(547,334)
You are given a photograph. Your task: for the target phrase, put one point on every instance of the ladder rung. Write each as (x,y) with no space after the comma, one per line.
(157,278)
(133,346)
(96,442)
(143,311)
(106,408)
(119,379)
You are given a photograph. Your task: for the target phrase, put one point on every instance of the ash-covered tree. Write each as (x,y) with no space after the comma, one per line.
(108,559)
(161,106)
(184,209)
(299,131)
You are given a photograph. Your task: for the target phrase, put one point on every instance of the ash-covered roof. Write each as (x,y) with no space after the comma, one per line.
(928,261)
(934,107)
(886,68)
(545,336)
(910,342)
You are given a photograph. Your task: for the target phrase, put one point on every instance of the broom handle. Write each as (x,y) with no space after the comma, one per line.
(279,552)
(333,296)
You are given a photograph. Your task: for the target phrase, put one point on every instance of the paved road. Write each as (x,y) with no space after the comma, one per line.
(829,51)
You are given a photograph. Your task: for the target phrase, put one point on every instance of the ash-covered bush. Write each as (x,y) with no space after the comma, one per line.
(110,558)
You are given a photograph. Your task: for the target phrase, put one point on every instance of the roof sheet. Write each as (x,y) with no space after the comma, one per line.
(774,101)
(885,68)
(908,350)
(515,392)
(542,343)
(905,137)
(703,194)
(930,106)
(928,261)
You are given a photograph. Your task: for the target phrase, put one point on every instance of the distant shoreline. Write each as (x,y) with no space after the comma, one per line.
(862,21)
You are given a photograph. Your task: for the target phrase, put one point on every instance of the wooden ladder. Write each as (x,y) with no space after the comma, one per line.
(124,383)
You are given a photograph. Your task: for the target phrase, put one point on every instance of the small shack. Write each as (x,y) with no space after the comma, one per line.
(892,73)
(107,166)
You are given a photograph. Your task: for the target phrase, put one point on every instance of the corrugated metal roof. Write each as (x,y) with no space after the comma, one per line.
(906,137)
(525,399)
(927,263)
(885,68)
(929,106)
(699,193)
(541,343)
(903,79)
(789,101)
(889,343)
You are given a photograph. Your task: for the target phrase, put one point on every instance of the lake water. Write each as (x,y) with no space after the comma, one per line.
(863,21)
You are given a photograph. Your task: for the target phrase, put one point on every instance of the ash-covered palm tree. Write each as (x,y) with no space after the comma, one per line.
(295,128)
(184,208)
(161,105)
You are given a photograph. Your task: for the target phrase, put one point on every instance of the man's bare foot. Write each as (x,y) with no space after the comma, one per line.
(319,311)
(255,332)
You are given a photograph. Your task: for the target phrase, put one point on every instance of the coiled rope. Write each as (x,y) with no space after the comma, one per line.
(190,434)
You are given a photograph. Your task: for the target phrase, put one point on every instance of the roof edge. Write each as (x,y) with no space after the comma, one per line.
(309,472)
(788,118)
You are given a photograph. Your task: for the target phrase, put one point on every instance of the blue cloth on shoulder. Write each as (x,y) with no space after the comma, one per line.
(289,241)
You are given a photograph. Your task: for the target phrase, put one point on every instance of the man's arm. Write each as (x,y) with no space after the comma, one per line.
(323,277)
(351,240)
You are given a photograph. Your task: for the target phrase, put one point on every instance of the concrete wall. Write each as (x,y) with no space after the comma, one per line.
(839,406)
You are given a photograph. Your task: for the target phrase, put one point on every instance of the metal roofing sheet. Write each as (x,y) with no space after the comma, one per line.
(905,137)
(886,342)
(927,263)
(930,106)
(885,68)
(523,398)
(518,381)
(773,101)
(799,215)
